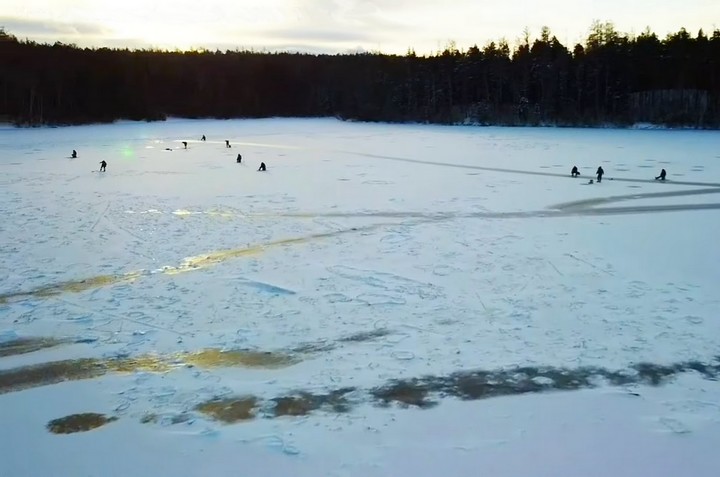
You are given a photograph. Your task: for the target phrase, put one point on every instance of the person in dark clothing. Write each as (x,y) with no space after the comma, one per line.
(239,158)
(103,165)
(600,173)
(574,172)
(185,144)
(203,138)
(74,154)
(227,143)
(662,175)
(262,167)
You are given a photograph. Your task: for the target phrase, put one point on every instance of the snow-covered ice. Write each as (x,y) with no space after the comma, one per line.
(390,300)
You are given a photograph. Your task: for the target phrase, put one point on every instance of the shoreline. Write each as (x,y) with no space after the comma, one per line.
(640,126)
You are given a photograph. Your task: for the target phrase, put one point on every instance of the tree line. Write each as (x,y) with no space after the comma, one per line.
(613,78)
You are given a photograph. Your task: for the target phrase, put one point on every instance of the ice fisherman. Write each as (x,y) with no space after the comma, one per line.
(227,143)
(103,165)
(239,158)
(262,167)
(574,172)
(202,138)
(600,173)
(185,144)
(662,175)
(74,154)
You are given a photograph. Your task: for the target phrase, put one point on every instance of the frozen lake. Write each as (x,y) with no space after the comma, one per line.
(384,300)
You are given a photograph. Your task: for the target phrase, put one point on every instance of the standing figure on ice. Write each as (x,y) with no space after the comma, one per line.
(574,172)
(202,138)
(185,144)
(103,165)
(262,167)
(600,173)
(239,158)
(662,175)
(227,143)
(74,154)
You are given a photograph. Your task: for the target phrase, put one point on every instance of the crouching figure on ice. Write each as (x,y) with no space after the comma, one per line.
(262,167)
(662,175)
(574,172)
(103,165)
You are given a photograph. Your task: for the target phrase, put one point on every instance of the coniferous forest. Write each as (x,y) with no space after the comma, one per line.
(611,79)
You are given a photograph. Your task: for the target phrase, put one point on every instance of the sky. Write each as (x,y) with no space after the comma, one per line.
(338,26)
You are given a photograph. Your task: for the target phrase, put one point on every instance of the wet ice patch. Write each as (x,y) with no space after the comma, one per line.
(44,374)
(303,403)
(70,286)
(214,358)
(230,411)
(79,423)
(12,346)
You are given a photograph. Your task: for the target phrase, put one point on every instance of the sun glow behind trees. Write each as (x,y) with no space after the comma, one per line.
(333,26)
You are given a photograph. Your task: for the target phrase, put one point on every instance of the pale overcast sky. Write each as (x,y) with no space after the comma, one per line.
(338,26)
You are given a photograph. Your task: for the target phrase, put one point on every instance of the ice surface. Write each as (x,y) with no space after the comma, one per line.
(373,255)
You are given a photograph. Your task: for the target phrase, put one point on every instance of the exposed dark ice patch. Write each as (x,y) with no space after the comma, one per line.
(78,423)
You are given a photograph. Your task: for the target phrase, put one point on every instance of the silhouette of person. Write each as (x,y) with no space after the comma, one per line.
(574,172)
(662,175)
(203,138)
(74,154)
(103,165)
(185,144)
(227,143)
(262,167)
(239,158)
(600,173)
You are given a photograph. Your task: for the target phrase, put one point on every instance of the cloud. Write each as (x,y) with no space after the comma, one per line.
(319,35)
(365,15)
(21,27)
(331,26)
